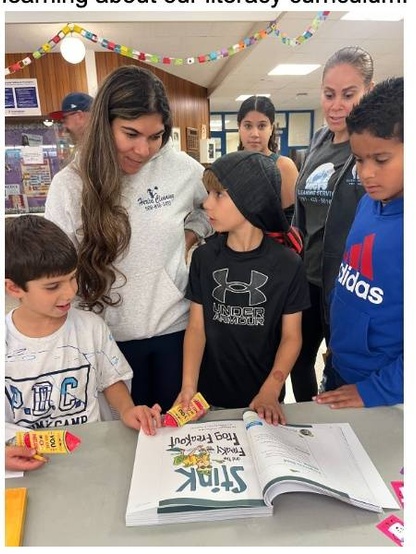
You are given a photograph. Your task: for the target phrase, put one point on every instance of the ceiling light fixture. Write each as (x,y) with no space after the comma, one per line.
(372,15)
(243,97)
(73,49)
(294,69)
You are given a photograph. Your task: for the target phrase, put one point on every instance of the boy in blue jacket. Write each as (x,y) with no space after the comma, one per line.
(366,363)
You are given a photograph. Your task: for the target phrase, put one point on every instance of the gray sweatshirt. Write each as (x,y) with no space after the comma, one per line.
(162,200)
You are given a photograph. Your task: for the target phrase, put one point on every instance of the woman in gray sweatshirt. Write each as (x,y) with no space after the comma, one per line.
(131,204)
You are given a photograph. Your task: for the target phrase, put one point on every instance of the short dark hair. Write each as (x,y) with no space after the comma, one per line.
(35,248)
(380,111)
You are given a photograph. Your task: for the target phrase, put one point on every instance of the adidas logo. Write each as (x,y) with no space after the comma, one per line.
(358,262)
(360,256)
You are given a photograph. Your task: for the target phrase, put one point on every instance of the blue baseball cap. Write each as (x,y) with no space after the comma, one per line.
(73,102)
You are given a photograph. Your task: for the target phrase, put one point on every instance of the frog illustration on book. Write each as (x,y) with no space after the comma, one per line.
(199,458)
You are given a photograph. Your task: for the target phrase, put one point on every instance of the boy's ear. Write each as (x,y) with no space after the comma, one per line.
(12,289)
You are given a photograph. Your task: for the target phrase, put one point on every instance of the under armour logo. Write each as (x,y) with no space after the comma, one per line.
(237,287)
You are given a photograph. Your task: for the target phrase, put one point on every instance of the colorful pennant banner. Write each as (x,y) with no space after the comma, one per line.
(271,30)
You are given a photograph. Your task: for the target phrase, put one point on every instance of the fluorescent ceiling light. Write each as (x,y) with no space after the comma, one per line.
(294,69)
(373,15)
(243,97)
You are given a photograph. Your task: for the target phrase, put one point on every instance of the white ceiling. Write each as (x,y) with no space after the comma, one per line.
(242,73)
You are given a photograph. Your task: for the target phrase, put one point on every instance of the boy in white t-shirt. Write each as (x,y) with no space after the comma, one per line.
(58,358)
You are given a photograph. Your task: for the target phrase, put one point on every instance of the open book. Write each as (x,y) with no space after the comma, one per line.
(231,469)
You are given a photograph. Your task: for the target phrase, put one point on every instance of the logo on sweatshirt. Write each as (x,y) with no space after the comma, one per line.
(154,200)
(356,272)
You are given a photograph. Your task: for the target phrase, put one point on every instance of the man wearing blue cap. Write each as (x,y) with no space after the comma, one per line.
(75,114)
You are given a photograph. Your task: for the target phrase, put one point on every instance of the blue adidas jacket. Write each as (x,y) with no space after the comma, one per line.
(367,304)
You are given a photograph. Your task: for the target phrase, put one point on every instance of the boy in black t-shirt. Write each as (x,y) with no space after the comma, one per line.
(247,293)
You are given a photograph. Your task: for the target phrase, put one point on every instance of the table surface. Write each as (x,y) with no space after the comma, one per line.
(80,499)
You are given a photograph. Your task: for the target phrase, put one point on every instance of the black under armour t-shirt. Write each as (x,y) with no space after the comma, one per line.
(244,296)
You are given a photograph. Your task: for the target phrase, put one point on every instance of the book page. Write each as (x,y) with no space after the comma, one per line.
(327,455)
(206,465)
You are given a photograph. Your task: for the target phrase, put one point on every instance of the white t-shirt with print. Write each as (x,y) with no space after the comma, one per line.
(55,380)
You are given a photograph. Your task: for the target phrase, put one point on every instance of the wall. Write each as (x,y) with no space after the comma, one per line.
(188,101)
(56,78)
(319,119)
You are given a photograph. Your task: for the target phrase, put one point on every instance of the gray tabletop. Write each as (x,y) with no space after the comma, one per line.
(80,499)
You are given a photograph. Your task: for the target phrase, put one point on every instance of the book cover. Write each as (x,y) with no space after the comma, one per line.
(238,468)
(15,513)
(202,468)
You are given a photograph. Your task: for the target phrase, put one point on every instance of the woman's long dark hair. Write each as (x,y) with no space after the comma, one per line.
(128,92)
